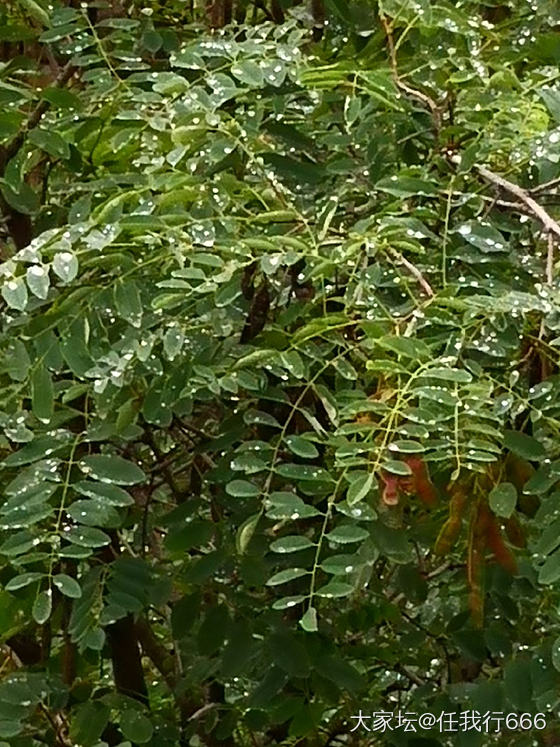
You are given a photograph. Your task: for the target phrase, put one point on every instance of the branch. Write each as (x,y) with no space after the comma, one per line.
(162,464)
(56,720)
(156,652)
(549,224)
(550,259)
(201,711)
(399,82)
(7,153)
(546,186)
(414,271)
(412,676)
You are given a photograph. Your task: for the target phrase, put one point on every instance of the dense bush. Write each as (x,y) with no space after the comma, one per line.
(280,408)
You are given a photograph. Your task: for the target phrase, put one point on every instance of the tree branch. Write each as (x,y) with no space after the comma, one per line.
(545,187)
(10,150)
(156,652)
(414,271)
(548,222)
(550,259)
(399,82)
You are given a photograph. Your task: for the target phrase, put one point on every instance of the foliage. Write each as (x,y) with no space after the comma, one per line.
(280,405)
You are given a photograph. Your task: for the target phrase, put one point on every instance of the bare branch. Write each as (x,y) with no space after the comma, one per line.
(34,118)
(414,271)
(399,82)
(550,259)
(522,195)
(546,186)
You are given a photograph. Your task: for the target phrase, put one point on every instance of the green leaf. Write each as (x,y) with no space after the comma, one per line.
(549,572)
(18,363)
(67,585)
(173,340)
(242,489)
(35,11)
(152,41)
(111,468)
(14,293)
(517,683)
(94,512)
(396,467)
(21,197)
(287,650)
(406,346)
(303,472)
(128,302)
(24,579)
(245,533)
(301,447)
(549,539)
(65,265)
(42,607)
(343,674)
(17,544)
(291,543)
(503,499)
(135,726)
(309,620)
(524,445)
(289,506)
(283,577)
(248,72)
(406,447)
(405,186)
(42,394)
(51,142)
(286,603)
(551,99)
(39,447)
(88,721)
(9,729)
(87,537)
(457,375)
(38,280)
(340,565)
(61,98)
(359,488)
(335,589)
(111,494)
(556,654)
(347,533)
(196,533)
(482,235)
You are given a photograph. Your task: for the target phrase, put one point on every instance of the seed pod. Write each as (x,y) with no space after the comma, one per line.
(420,484)
(447,537)
(515,533)
(475,561)
(248,281)
(258,313)
(501,553)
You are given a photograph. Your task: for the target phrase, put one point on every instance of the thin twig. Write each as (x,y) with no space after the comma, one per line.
(202,711)
(160,657)
(550,225)
(440,569)
(414,271)
(548,222)
(546,186)
(35,117)
(412,676)
(550,259)
(56,720)
(399,82)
